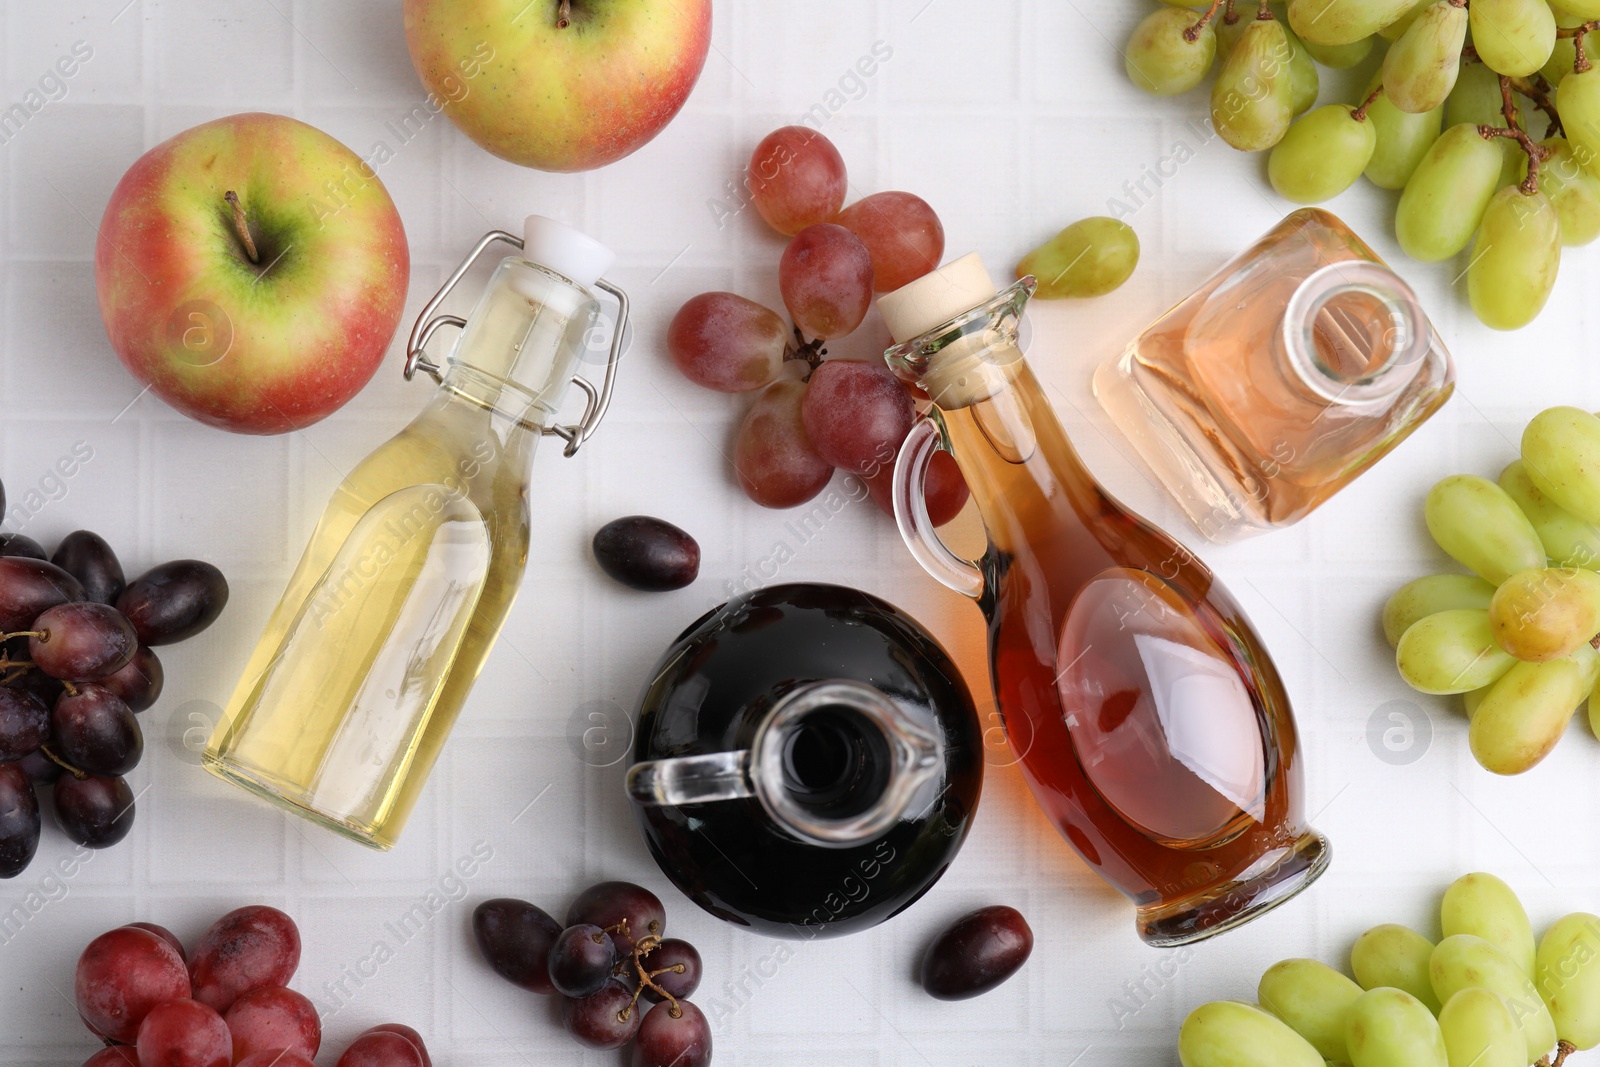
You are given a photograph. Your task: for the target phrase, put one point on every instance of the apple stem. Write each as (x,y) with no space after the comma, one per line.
(564,15)
(241,225)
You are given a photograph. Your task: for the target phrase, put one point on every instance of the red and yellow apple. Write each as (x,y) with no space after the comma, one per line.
(252,272)
(559,84)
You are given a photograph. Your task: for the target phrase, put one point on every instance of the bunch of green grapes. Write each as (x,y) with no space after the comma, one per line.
(1486,996)
(1440,120)
(1516,637)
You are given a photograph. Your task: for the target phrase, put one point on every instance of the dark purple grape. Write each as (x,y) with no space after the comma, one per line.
(581,959)
(82,641)
(515,938)
(24,723)
(29,587)
(139,681)
(19,820)
(174,601)
(88,558)
(21,546)
(40,768)
(40,684)
(610,905)
(665,1040)
(977,953)
(94,812)
(665,957)
(646,553)
(598,1021)
(96,732)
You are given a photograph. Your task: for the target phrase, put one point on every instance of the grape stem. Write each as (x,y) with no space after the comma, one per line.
(1360,113)
(1192,33)
(809,351)
(647,978)
(42,635)
(1563,1050)
(63,764)
(241,225)
(1580,59)
(1264,12)
(564,14)
(1539,90)
(1513,129)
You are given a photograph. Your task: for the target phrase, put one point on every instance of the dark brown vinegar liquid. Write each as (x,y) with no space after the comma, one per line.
(1150,724)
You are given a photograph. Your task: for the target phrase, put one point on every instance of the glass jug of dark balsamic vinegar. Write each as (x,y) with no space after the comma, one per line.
(1145,713)
(808,761)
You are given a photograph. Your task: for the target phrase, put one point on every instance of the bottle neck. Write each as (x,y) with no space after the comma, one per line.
(1353,335)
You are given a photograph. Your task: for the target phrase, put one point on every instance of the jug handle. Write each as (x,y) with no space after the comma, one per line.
(691,779)
(911,512)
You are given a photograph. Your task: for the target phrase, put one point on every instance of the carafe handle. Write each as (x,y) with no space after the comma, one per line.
(911,512)
(692,779)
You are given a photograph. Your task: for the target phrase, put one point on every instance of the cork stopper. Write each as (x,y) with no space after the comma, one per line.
(937,297)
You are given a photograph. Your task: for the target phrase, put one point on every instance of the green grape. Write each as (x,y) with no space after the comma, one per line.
(1160,59)
(1470,701)
(1424,596)
(1567,539)
(1396,29)
(1567,975)
(1528,709)
(1397,956)
(1545,613)
(1577,10)
(1089,258)
(1574,190)
(1228,33)
(1578,101)
(1252,100)
(1226,1033)
(1322,155)
(1476,99)
(1391,1028)
(1339,56)
(1314,999)
(1479,1031)
(1184,3)
(1513,37)
(1515,257)
(1344,21)
(1594,712)
(1463,961)
(1481,528)
(1565,52)
(1561,451)
(1303,80)
(1402,140)
(1484,905)
(1451,652)
(1420,68)
(1447,193)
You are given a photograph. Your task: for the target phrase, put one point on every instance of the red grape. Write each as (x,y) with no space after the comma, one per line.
(944,490)
(245,949)
(797,178)
(673,953)
(725,342)
(380,1049)
(24,723)
(19,820)
(88,558)
(774,460)
(29,587)
(184,1033)
(902,234)
(515,937)
(581,960)
(139,681)
(977,953)
(665,1041)
(21,545)
(166,935)
(596,1020)
(404,1031)
(174,601)
(96,812)
(825,277)
(856,415)
(113,1056)
(609,905)
(75,642)
(273,1017)
(95,731)
(121,975)
(275,1058)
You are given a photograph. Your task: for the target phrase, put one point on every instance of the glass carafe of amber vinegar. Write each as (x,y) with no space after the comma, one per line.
(367,660)
(1144,712)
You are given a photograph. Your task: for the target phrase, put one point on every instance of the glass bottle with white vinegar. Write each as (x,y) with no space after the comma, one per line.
(411,571)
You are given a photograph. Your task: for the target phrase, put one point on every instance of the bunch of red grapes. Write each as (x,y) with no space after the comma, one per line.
(228,1005)
(76,667)
(607,957)
(849,415)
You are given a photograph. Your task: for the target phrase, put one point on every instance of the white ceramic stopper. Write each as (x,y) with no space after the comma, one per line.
(937,297)
(571,253)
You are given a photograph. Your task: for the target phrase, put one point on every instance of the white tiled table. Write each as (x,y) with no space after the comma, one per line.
(1012,119)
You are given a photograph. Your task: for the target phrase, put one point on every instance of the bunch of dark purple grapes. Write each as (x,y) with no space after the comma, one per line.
(76,667)
(609,956)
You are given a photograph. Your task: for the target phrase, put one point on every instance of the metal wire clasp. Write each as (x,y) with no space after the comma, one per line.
(596,401)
